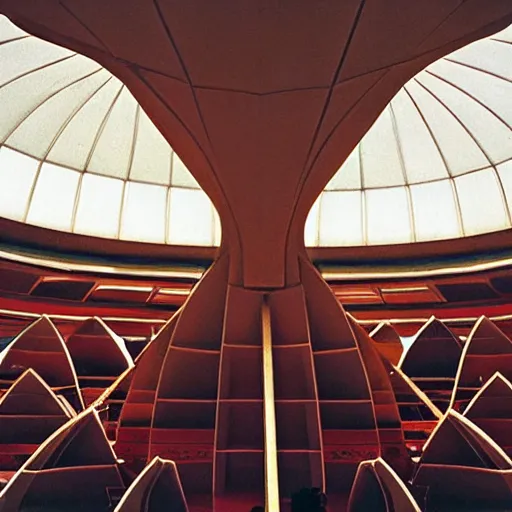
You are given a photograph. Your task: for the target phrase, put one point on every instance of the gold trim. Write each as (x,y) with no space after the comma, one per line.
(195,272)
(410,289)
(329,272)
(123,288)
(271,471)
(28,314)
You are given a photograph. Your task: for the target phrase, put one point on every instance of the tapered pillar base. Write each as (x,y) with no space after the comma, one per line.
(200,393)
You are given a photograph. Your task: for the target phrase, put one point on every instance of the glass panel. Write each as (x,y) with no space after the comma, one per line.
(191,220)
(99,206)
(421,157)
(27,93)
(491,134)
(54,198)
(113,151)
(152,157)
(19,57)
(349,175)
(75,143)
(494,93)
(435,213)
(381,162)
(340,219)
(144,212)
(460,151)
(388,217)
(181,176)
(17,174)
(481,202)
(37,133)
(311,230)
(490,55)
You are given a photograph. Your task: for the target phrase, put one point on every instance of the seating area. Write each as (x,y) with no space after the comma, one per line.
(413,458)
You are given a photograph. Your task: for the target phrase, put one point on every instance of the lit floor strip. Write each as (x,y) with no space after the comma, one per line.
(271,473)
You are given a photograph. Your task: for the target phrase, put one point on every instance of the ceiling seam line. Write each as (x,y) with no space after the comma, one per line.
(76,201)
(31,192)
(71,168)
(317,222)
(41,162)
(184,67)
(307,168)
(167,221)
(432,134)
(213,225)
(503,195)
(155,71)
(171,167)
(199,146)
(101,127)
(475,141)
(121,211)
(394,125)
(35,70)
(408,59)
(398,140)
(330,91)
(56,138)
(340,121)
(457,118)
(356,103)
(364,219)
(133,145)
(388,68)
(46,99)
(497,40)
(458,208)
(441,23)
(361,168)
(450,176)
(124,187)
(86,27)
(479,70)
(260,94)
(14,39)
(463,126)
(71,117)
(476,100)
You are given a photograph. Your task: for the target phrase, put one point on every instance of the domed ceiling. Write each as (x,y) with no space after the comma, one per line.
(78,154)
(436,164)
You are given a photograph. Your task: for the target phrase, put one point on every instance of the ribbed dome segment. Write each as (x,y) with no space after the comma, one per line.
(78,154)
(436,164)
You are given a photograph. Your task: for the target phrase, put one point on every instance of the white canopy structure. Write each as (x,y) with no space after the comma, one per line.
(78,154)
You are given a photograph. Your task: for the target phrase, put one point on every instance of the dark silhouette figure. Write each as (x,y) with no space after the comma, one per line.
(309,500)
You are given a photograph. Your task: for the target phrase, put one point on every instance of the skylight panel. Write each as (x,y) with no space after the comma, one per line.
(54,198)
